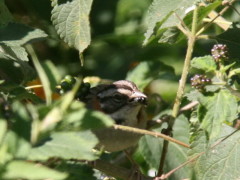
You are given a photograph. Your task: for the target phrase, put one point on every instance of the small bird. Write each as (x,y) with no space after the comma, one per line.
(123,101)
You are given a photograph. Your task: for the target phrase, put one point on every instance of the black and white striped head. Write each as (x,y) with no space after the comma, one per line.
(121,93)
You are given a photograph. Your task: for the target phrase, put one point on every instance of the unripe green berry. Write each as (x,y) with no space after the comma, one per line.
(70,79)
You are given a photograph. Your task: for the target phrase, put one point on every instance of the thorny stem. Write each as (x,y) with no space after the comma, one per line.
(191,42)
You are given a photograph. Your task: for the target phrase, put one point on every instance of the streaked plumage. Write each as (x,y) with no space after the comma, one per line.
(125,104)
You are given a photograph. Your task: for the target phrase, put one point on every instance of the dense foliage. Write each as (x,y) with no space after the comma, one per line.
(51,52)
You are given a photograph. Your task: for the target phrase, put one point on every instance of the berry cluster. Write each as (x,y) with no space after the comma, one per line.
(200,81)
(68,83)
(219,52)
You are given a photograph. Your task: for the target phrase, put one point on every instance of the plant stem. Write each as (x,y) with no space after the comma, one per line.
(151,133)
(41,73)
(191,42)
(34,86)
(214,18)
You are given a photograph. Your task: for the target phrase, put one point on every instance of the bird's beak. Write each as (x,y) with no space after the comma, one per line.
(139,97)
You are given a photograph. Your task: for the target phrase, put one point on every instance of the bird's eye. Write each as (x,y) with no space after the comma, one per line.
(118,98)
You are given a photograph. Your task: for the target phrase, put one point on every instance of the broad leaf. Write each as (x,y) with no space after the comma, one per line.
(220,162)
(17,146)
(193,95)
(71,21)
(163,11)
(205,63)
(147,71)
(13,52)
(67,145)
(27,170)
(5,16)
(80,118)
(151,147)
(231,38)
(215,110)
(16,72)
(77,171)
(15,34)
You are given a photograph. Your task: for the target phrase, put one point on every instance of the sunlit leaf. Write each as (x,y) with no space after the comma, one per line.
(3,129)
(13,52)
(71,21)
(205,63)
(80,118)
(164,12)
(214,111)
(15,34)
(220,162)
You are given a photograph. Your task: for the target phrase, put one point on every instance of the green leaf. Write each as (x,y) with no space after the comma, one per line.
(71,21)
(217,84)
(15,34)
(234,72)
(147,71)
(151,147)
(17,146)
(27,170)
(203,11)
(163,11)
(13,52)
(231,38)
(77,171)
(5,16)
(67,145)
(16,72)
(3,129)
(52,74)
(193,95)
(169,36)
(205,63)
(215,110)
(21,121)
(220,162)
(80,118)
(43,75)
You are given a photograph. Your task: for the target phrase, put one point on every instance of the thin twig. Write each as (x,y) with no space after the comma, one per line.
(189,106)
(34,86)
(214,18)
(151,133)
(183,25)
